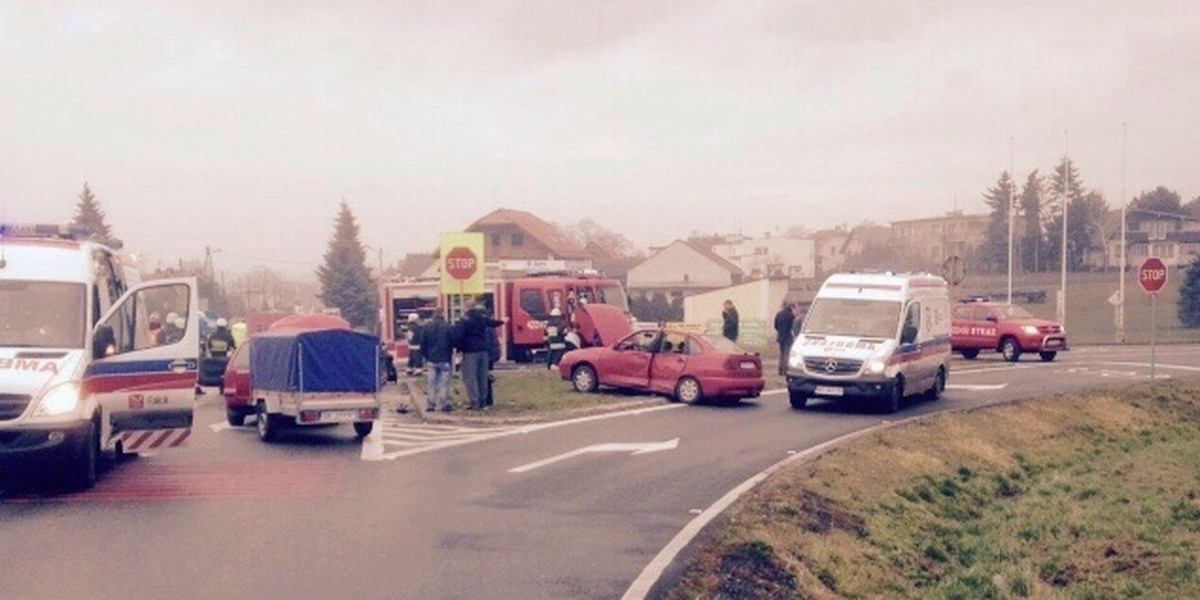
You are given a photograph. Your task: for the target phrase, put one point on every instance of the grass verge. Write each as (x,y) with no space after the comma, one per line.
(536,394)
(1088,496)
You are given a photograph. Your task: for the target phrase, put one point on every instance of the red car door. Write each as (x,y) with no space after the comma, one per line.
(669,362)
(235,385)
(627,364)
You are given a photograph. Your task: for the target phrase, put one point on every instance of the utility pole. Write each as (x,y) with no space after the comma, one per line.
(1066,195)
(1121,285)
(1012,199)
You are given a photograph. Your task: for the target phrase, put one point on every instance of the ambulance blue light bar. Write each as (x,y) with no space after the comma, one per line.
(43,230)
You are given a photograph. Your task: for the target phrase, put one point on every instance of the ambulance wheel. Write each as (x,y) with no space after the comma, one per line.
(939,386)
(895,398)
(970,353)
(1010,350)
(267,424)
(688,391)
(236,418)
(584,379)
(81,472)
(363,429)
(1047,356)
(798,399)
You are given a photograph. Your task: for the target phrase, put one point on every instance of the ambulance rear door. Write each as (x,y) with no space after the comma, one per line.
(143,377)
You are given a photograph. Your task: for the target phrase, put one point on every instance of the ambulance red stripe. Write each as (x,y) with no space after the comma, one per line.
(133,382)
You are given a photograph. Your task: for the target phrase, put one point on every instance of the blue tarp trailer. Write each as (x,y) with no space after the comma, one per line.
(314,376)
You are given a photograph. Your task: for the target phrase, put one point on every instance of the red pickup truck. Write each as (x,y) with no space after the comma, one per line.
(1005,328)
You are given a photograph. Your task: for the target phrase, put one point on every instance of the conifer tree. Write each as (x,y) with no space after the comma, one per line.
(89,216)
(1033,234)
(1188,308)
(1085,211)
(345,280)
(994,252)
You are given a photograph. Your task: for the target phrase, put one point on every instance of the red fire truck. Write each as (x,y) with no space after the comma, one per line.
(526,302)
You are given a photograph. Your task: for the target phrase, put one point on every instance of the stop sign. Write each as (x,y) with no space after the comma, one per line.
(460,263)
(1152,275)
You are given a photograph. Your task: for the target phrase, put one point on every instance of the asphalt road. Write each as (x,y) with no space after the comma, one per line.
(565,510)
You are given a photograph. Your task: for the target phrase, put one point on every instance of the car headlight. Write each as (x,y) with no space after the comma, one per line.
(794,359)
(876,366)
(1030,329)
(59,400)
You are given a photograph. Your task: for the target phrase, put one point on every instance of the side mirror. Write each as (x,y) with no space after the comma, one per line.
(104,343)
(908,334)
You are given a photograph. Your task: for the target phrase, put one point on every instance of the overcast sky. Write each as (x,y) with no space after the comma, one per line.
(241,125)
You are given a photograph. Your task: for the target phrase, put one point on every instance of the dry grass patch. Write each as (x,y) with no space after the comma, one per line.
(1095,496)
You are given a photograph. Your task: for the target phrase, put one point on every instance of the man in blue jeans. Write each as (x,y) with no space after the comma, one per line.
(471,338)
(437,349)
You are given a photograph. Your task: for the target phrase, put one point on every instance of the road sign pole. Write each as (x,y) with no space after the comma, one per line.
(1153,327)
(1153,276)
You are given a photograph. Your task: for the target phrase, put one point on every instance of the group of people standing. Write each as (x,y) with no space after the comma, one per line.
(786,326)
(432,346)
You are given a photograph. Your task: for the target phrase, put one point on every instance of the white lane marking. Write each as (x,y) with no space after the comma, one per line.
(372,445)
(1157,365)
(1004,368)
(633,449)
(982,387)
(220,426)
(494,433)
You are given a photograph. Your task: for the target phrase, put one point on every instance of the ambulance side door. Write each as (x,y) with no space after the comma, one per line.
(144,383)
(919,365)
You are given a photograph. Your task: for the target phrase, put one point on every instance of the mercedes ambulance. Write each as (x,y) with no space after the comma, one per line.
(873,336)
(83,368)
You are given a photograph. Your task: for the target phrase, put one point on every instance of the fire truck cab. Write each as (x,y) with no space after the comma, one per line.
(88,361)
(526,302)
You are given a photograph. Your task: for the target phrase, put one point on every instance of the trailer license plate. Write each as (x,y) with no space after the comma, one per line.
(339,416)
(829,390)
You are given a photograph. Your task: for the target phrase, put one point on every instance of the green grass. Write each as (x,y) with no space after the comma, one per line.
(1086,496)
(536,393)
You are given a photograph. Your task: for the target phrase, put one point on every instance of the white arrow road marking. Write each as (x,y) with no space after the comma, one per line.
(990,369)
(981,387)
(633,448)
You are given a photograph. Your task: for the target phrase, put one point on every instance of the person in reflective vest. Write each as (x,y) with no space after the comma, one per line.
(220,341)
(556,342)
(416,362)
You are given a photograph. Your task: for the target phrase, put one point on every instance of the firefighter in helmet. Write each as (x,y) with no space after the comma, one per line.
(556,343)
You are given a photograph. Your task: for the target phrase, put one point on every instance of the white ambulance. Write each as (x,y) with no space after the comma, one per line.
(873,336)
(85,367)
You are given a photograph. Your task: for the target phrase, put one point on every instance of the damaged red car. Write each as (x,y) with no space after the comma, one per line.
(685,366)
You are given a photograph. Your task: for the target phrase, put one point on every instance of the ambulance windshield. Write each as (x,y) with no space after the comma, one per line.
(42,314)
(853,318)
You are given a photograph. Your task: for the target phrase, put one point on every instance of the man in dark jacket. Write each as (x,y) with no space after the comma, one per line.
(437,350)
(784,320)
(729,318)
(471,338)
